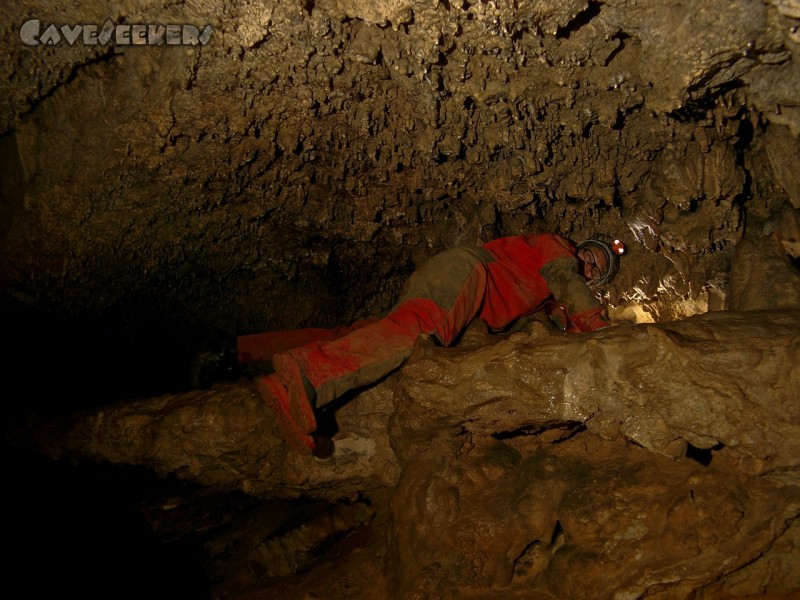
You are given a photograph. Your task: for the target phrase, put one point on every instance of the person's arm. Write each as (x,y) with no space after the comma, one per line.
(573,296)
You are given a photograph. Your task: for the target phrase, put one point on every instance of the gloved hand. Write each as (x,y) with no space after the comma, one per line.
(558,316)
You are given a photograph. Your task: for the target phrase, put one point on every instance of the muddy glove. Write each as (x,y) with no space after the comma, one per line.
(557,313)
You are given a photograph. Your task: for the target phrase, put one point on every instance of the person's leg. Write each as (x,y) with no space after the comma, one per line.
(261,347)
(440,299)
(320,372)
(367,354)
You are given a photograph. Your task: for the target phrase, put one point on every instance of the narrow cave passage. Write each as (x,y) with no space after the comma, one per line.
(292,170)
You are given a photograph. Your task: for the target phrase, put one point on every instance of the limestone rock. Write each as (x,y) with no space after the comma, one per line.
(723,379)
(654,459)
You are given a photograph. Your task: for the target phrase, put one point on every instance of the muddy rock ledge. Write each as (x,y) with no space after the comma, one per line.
(651,460)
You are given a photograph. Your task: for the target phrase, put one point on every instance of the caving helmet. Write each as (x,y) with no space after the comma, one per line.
(613,248)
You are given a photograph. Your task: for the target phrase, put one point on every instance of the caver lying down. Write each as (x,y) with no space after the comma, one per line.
(498,282)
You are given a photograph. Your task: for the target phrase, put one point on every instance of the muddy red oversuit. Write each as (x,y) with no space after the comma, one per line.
(498,282)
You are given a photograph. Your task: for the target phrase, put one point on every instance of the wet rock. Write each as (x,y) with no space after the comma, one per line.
(224,438)
(580,519)
(764,274)
(657,458)
(719,380)
(783,150)
(296,168)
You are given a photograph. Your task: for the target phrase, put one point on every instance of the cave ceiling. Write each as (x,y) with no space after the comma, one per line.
(294,168)
(289,165)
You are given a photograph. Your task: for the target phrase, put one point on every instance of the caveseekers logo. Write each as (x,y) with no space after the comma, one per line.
(35,33)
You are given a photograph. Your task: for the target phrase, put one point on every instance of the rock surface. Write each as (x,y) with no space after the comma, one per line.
(312,148)
(650,459)
(292,171)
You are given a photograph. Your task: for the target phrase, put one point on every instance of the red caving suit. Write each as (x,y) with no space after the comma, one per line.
(498,282)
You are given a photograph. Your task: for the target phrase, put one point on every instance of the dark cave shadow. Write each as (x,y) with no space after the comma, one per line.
(78,530)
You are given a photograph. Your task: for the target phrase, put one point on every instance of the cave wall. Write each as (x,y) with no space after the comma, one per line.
(310,149)
(293,170)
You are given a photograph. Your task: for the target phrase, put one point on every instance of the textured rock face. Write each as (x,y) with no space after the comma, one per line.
(645,459)
(701,381)
(294,167)
(309,149)
(550,510)
(582,519)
